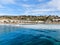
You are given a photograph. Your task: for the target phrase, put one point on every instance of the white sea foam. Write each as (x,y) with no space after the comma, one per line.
(42,26)
(16,25)
(36,26)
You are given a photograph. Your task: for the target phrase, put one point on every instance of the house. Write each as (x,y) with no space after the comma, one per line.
(56,20)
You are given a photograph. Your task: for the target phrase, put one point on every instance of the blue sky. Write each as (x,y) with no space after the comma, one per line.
(29,7)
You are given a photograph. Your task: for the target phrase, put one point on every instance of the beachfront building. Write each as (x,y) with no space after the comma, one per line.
(56,20)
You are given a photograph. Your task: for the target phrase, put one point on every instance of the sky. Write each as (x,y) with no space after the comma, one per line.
(30,7)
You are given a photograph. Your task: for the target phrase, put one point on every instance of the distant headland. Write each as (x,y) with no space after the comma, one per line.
(30,19)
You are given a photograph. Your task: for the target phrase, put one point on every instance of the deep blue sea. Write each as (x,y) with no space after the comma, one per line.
(12,35)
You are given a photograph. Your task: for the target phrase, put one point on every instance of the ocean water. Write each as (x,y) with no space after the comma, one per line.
(16,35)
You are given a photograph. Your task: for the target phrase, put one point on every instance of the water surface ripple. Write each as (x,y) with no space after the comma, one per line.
(10,35)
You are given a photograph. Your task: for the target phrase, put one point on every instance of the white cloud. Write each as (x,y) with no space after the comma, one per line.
(52,5)
(26,5)
(48,8)
(55,3)
(40,12)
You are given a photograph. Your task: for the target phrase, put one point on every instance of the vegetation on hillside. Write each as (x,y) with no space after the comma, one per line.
(32,18)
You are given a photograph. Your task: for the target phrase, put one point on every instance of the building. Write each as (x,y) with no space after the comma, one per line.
(56,20)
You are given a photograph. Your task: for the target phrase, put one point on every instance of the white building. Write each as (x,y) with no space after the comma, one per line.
(56,20)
